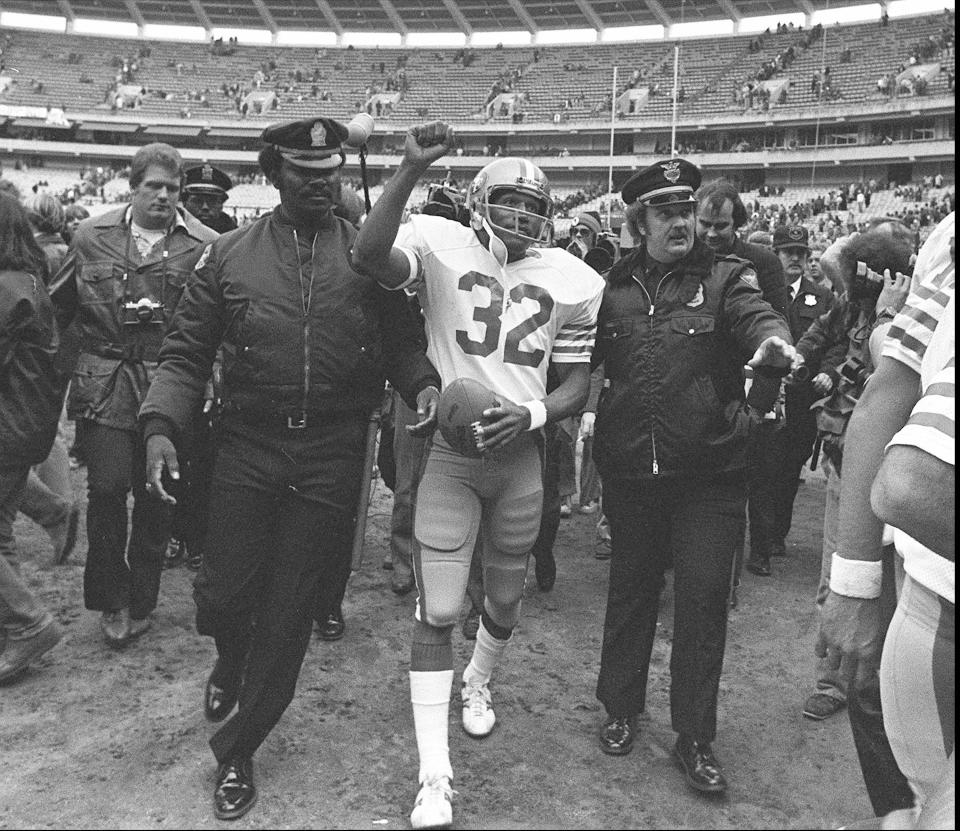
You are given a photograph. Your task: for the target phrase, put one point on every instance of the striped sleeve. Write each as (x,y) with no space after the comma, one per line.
(910,333)
(575,338)
(932,424)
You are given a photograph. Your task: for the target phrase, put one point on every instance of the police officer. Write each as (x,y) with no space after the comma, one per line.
(675,328)
(204,193)
(781,453)
(306,344)
(120,283)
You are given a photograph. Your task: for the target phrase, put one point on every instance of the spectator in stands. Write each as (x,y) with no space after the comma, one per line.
(139,255)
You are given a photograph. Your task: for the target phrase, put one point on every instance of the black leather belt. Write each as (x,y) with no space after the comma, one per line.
(287,420)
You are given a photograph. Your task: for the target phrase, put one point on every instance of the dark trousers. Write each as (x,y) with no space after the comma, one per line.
(694,525)
(196,454)
(550,517)
(282,513)
(887,787)
(116,465)
(778,457)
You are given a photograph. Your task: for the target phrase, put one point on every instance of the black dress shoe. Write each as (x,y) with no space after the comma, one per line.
(700,766)
(221,693)
(235,793)
(545,569)
(759,566)
(332,627)
(617,735)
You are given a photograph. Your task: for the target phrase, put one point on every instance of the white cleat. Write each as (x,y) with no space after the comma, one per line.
(478,715)
(434,805)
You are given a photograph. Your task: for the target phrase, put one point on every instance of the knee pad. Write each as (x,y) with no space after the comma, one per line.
(439,609)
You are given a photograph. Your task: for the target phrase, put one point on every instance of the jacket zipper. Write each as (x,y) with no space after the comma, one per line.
(305,307)
(655,467)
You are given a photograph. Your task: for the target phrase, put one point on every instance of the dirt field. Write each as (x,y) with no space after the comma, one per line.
(95,738)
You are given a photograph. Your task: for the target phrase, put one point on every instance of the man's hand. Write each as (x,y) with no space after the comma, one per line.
(501,425)
(775,352)
(850,627)
(587,422)
(822,383)
(894,292)
(426,143)
(161,453)
(427,401)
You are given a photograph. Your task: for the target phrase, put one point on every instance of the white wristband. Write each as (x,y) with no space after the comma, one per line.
(855,578)
(538,413)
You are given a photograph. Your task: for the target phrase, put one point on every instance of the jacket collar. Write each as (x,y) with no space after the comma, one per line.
(693,268)
(120,217)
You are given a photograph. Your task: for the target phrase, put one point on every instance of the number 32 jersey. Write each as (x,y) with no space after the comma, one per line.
(499,326)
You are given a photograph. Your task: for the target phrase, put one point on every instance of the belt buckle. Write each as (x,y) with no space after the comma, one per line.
(297,422)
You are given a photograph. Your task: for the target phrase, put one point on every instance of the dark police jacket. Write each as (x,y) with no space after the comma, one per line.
(674,404)
(249,293)
(812,301)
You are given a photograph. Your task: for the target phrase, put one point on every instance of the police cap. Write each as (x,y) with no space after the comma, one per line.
(314,143)
(672,181)
(791,236)
(206,178)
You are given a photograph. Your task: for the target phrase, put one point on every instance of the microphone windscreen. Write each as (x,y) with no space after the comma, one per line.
(359,130)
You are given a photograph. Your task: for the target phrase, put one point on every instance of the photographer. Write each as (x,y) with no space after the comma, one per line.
(120,283)
(873,268)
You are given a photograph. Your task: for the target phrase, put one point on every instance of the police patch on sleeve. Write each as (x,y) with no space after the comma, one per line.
(203,258)
(749,276)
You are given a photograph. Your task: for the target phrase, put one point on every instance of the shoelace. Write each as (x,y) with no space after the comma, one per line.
(478,700)
(436,787)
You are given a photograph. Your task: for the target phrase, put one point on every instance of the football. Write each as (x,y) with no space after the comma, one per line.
(461,406)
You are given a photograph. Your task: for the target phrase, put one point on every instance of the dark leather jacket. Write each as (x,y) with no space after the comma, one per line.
(249,294)
(674,400)
(101,274)
(31,388)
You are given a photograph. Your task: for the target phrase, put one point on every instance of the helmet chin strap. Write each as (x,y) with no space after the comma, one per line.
(495,245)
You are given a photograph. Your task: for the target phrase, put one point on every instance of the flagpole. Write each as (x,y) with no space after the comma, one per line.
(613,117)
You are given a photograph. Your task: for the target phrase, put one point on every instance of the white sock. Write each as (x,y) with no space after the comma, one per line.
(430,697)
(486,656)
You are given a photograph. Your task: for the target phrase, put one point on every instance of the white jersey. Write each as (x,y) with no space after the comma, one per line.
(499,326)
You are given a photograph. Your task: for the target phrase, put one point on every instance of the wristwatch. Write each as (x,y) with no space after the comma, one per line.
(888,312)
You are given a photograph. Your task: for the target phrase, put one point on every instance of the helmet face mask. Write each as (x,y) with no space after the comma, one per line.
(495,184)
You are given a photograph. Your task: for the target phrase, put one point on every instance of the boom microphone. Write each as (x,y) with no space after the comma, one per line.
(359,130)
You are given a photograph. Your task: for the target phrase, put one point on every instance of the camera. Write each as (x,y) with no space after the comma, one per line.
(866,282)
(853,372)
(142,312)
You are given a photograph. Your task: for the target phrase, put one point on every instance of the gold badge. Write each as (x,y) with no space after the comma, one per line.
(206,173)
(318,135)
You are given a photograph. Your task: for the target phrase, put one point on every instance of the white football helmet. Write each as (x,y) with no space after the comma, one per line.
(512,175)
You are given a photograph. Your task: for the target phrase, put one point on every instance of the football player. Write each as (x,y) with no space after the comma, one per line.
(498,309)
